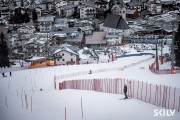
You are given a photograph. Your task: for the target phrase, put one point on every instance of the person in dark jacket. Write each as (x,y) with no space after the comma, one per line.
(3,74)
(125,91)
(90,72)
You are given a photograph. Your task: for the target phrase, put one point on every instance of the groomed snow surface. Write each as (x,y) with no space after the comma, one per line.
(50,104)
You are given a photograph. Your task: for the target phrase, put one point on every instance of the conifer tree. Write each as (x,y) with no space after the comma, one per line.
(4,57)
(26,17)
(34,15)
(177,50)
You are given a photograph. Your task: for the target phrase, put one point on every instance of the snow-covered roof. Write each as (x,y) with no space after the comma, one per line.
(36,40)
(86,28)
(67,7)
(129,11)
(61,21)
(27,27)
(86,5)
(97,38)
(46,19)
(166,17)
(63,30)
(64,48)
(36,58)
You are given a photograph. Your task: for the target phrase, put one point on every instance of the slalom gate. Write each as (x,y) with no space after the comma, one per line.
(159,95)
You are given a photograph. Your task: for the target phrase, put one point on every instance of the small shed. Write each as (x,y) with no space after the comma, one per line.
(132,13)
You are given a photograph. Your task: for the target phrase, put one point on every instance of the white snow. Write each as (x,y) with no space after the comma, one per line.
(50,103)
(36,58)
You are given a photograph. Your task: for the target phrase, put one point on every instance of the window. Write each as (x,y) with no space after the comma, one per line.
(71,54)
(63,54)
(71,60)
(57,59)
(62,59)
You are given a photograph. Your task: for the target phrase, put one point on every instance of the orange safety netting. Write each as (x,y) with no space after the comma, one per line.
(43,64)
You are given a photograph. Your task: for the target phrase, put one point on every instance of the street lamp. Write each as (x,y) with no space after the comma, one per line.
(157,64)
(162,42)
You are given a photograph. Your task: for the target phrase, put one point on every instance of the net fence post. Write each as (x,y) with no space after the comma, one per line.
(141,90)
(174,97)
(138,90)
(169,96)
(146,92)
(179,105)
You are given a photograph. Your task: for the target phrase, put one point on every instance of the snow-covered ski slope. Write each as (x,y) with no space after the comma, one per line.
(50,104)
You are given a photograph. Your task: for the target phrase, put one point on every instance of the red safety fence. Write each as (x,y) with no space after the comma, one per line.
(100,70)
(12,69)
(163,71)
(159,95)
